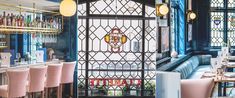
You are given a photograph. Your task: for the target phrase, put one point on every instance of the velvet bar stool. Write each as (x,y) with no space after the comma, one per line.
(16,86)
(53,78)
(36,83)
(67,76)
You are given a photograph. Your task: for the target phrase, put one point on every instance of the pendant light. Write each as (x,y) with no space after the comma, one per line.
(68,8)
(162,9)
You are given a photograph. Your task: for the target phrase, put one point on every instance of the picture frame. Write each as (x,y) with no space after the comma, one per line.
(190,33)
(165,38)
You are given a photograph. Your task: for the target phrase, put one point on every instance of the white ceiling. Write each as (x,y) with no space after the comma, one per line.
(39,4)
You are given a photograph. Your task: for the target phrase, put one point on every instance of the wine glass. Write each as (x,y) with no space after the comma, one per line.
(18,56)
(214,65)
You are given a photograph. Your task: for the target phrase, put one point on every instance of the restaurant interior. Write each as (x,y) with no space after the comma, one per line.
(117,48)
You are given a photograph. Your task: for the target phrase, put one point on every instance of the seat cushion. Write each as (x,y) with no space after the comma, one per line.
(197,88)
(195,61)
(3,90)
(199,71)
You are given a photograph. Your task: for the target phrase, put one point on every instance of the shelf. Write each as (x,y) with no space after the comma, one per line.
(14,29)
(2,47)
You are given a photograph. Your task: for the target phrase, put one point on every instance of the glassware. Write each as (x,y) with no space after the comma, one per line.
(18,57)
(220,73)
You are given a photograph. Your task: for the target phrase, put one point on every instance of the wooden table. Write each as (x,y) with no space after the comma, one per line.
(222,82)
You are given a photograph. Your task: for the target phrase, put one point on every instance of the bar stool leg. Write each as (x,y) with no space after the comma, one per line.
(58,92)
(42,94)
(61,91)
(71,90)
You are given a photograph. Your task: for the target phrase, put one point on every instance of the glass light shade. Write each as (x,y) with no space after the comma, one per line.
(192,15)
(68,8)
(123,39)
(107,38)
(162,9)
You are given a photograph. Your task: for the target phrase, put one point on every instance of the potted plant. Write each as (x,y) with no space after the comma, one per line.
(81,89)
(102,91)
(126,90)
(150,88)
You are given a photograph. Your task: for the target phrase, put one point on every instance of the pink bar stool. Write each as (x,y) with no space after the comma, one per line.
(16,85)
(53,78)
(37,76)
(67,76)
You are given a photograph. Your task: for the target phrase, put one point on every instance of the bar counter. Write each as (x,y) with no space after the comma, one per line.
(3,70)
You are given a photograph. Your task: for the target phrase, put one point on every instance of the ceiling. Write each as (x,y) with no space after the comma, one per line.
(54,4)
(39,4)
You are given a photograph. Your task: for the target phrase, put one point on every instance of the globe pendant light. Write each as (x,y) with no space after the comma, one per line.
(68,8)
(162,9)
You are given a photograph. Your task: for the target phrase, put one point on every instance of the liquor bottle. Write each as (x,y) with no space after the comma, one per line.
(28,20)
(34,23)
(22,21)
(17,20)
(8,20)
(51,22)
(60,25)
(25,20)
(13,20)
(1,20)
(4,19)
(54,23)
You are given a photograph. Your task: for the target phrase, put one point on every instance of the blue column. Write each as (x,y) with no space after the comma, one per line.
(181,27)
(71,35)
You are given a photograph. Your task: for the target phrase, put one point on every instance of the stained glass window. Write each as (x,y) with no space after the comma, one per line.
(130,72)
(217,28)
(222,22)
(217,3)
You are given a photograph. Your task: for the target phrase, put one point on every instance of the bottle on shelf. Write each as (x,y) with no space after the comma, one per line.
(4,19)
(8,20)
(1,20)
(13,20)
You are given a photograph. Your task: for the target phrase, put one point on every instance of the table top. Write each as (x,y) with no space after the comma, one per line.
(220,78)
(222,97)
(3,69)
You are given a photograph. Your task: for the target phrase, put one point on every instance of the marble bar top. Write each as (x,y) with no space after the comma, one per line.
(4,69)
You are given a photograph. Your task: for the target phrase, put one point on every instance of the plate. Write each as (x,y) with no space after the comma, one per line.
(208,74)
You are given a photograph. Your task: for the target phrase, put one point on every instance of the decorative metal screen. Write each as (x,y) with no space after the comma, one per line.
(217,3)
(231,28)
(222,22)
(231,3)
(217,28)
(129,72)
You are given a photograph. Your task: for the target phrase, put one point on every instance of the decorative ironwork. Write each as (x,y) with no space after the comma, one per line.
(217,3)
(231,28)
(231,3)
(123,7)
(129,72)
(222,22)
(217,28)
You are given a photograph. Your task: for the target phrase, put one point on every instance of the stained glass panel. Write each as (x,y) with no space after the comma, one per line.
(217,3)
(231,28)
(108,7)
(122,73)
(217,28)
(231,3)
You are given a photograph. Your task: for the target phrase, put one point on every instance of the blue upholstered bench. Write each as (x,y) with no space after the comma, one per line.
(194,67)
